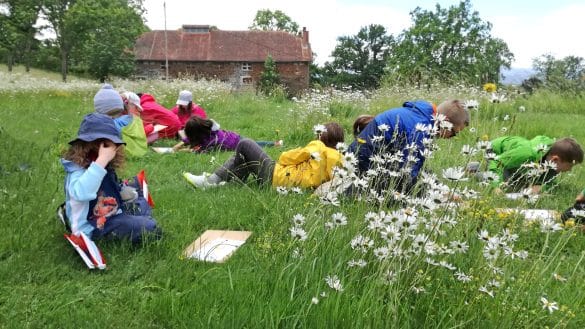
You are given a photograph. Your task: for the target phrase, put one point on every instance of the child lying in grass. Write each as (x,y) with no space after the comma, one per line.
(308,167)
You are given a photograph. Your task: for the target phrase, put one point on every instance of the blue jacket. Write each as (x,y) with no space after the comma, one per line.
(82,189)
(401,132)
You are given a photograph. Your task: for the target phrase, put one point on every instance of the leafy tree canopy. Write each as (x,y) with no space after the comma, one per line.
(268,20)
(359,60)
(567,74)
(446,45)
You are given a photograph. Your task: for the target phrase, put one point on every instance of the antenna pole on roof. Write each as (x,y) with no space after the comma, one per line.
(166,44)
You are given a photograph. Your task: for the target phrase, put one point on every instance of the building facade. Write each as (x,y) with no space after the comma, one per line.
(235,57)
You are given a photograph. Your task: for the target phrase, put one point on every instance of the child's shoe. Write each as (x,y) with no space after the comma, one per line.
(278,143)
(198,181)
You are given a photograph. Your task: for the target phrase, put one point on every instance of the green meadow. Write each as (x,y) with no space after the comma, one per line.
(275,280)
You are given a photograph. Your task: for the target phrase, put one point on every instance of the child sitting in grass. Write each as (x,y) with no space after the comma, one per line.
(205,135)
(94,203)
(307,167)
(521,163)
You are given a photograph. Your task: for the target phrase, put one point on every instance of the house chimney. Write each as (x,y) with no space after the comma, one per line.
(305,35)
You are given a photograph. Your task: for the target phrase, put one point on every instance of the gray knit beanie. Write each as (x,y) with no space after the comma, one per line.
(107,99)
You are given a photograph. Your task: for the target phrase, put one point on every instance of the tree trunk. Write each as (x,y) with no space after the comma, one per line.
(64,64)
(10,62)
(27,55)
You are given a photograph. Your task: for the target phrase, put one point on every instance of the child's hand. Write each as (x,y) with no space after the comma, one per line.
(580,197)
(535,189)
(106,153)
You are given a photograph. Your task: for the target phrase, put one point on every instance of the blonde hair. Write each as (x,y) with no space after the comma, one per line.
(455,112)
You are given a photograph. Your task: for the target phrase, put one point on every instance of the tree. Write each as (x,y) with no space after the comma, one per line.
(55,11)
(96,36)
(269,79)
(359,60)
(17,35)
(110,28)
(267,20)
(567,74)
(448,45)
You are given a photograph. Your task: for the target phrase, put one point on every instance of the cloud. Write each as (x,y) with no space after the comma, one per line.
(326,20)
(556,32)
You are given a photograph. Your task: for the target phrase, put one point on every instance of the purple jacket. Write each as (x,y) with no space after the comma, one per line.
(220,139)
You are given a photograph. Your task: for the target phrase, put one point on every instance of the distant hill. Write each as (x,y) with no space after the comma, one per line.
(515,76)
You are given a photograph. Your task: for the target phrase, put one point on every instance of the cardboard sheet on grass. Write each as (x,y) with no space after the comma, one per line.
(216,246)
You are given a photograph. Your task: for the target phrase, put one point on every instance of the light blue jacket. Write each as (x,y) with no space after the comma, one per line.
(81,187)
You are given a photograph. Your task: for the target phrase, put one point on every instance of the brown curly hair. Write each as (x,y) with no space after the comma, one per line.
(84,153)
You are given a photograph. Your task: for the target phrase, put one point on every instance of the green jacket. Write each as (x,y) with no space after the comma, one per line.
(513,151)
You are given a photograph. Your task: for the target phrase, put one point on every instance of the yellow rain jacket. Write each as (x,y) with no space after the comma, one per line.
(308,166)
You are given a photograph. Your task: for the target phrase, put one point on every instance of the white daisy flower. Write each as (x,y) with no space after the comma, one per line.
(296,190)
(486,291)
(463,277)
(319,129)
(472,104)
(341,147)
(381,252)
(334,283)
(357,263)
(314,300)
(339,219)
(282,190)
(298,233)
(454,174)
(383,127)
(550,306)
(377,139)
(298,220)
(468,150)
(521,108)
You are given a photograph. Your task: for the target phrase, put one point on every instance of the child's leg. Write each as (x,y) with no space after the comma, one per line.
(264,143)
(249,159)
(130,227)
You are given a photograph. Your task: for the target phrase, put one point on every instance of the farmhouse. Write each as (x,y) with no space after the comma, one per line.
(236,57)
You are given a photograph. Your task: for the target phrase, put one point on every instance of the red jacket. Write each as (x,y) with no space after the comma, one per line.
(195,110)
(154,113)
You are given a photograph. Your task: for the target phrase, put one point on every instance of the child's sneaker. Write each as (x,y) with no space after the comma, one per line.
(279,143)
(199,181)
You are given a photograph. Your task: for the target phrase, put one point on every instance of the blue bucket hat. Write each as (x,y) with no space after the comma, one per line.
(95,126)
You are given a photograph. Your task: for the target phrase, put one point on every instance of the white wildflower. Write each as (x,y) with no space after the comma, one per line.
(454,174)
(334,283)
(550,306)
(298,233)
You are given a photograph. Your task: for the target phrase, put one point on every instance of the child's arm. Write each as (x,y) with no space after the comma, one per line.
(178,146)
(580,197)
(83,185)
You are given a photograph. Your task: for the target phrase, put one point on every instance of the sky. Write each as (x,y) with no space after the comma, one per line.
(530,27)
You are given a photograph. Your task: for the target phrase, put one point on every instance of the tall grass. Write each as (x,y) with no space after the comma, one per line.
(274,280)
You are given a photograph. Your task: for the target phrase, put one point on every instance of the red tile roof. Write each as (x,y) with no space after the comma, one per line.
(223,46)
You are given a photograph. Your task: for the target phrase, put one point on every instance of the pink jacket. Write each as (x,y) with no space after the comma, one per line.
(154,113)
(195,110)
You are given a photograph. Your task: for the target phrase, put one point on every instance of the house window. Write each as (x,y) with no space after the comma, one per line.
(246,67)
(246,80)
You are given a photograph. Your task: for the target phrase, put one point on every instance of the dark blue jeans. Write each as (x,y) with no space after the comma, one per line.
(132,224)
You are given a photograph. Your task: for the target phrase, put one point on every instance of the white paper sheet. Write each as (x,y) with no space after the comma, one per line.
(216,250)
(163,150)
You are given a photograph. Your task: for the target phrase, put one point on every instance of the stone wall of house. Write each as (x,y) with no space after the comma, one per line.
(295,76)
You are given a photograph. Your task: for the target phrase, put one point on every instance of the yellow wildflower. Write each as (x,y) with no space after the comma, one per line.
(490,87)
